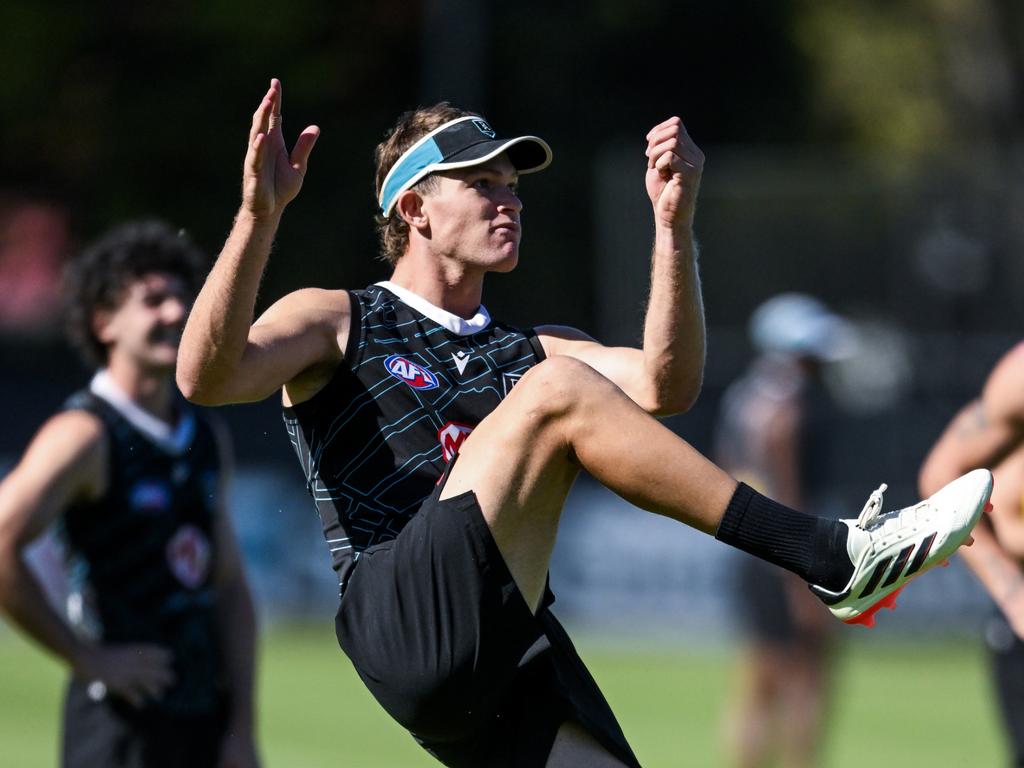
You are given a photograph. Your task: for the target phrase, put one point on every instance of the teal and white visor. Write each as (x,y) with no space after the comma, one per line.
(459,143)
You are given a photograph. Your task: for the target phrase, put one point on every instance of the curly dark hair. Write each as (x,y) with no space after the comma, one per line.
(101,275)
(410,127)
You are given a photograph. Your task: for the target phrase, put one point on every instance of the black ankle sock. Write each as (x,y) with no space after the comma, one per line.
(814,548)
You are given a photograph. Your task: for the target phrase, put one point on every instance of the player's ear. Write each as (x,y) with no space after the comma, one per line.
(409,206)
(101,325)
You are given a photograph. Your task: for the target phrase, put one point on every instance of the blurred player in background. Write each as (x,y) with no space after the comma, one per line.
(772,433)
(159,635)
(989,432)
(440,445)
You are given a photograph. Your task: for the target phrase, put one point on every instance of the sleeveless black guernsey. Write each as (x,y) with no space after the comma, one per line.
(141,558)
(374,442)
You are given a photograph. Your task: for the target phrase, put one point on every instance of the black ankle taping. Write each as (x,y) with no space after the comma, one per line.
(813,548)
(831,567)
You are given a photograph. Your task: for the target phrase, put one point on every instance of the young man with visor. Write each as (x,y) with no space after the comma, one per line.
(443,563)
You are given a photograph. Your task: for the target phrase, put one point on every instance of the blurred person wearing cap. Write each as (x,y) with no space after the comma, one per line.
(439,444)
(158,630)
(772,433)
(989,432)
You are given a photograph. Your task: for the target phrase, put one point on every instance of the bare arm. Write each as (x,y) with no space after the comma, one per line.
(666,375)
(982,434)
(223,358)
(65,462)
(989,432)
(1000,574)
(236,622)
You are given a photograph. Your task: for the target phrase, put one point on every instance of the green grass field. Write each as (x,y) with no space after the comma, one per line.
(895,706)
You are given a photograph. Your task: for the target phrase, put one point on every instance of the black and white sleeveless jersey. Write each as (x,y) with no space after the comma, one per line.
(415,381)
(141,558)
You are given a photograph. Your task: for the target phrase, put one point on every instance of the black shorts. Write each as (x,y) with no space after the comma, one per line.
(108,734)
(442,637)
(1006,656)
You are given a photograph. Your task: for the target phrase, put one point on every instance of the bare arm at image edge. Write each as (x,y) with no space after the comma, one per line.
(982,434)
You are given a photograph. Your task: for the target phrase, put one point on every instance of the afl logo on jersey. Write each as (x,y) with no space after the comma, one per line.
(413,374)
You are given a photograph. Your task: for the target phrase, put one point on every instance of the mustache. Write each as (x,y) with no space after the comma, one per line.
(166,334)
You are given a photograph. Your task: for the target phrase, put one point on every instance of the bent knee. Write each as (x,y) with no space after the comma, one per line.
(559,384)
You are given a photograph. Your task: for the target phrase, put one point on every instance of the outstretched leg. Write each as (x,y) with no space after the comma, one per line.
(523,458)
(562,416)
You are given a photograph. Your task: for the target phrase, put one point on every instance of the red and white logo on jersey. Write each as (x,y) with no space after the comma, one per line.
(413,374)
(188,555)
(451,436)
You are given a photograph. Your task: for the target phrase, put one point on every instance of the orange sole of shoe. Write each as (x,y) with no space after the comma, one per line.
(867,618)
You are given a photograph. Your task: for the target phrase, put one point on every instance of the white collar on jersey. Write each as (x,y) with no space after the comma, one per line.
(442,317)
(174,440)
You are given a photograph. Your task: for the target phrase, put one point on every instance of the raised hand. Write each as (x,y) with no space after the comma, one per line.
(136,673)
(674,167)
(271,177)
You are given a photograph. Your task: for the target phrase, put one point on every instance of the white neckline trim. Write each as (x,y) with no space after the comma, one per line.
(457,325)
(175,440)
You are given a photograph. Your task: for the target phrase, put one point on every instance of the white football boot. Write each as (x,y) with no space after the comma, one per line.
(890,549)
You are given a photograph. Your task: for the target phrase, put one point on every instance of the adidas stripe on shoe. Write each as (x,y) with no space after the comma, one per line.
(890,549)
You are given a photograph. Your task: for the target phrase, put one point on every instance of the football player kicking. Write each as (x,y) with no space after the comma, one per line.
(442,557)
